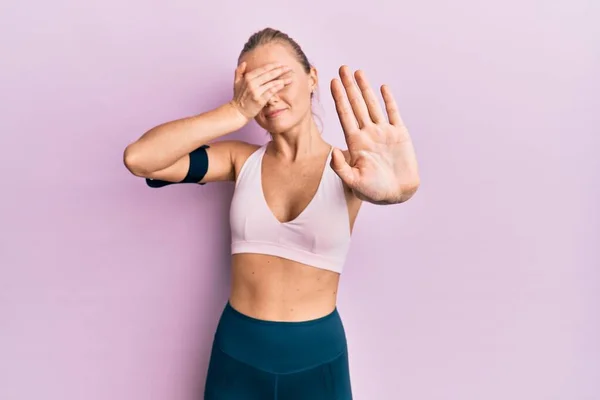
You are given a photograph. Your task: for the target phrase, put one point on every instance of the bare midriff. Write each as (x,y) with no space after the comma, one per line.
(276,289)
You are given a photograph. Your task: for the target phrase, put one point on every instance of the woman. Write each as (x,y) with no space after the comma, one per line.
(295,202)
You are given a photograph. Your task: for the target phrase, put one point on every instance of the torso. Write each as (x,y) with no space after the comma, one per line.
(278,289)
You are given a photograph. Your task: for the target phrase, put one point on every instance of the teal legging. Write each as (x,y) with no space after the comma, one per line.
(253,359)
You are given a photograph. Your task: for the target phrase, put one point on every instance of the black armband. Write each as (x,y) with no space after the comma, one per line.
(197,170)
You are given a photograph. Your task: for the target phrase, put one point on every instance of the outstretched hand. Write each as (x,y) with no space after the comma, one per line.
(382,168)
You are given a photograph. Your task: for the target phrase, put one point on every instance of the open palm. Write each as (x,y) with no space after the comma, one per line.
(382,167)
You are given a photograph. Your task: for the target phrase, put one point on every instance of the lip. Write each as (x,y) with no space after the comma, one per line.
(274,114)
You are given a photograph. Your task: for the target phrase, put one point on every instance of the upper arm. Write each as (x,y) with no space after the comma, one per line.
(223,157)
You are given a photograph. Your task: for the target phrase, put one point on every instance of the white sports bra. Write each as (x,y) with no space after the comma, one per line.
(319,236)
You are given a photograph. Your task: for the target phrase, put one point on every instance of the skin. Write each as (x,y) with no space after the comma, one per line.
(269,287)
(379,167)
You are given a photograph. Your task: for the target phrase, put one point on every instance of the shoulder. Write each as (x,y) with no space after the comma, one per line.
(241,149)
(239,152)
(236,149)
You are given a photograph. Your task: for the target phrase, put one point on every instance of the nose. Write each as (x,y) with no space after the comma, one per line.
(273,100)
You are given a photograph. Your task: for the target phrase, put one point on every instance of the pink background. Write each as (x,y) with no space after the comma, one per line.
(484,286)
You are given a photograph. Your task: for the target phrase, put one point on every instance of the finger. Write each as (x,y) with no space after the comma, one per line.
(355,98)
(343,108)
(339,165)
(250,75)
(391,107)
(270,88)
(271,74)
(373,106)
(239,71)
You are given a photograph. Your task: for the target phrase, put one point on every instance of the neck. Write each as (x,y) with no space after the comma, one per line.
(303,140)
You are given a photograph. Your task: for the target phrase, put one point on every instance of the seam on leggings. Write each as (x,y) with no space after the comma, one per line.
(332,359)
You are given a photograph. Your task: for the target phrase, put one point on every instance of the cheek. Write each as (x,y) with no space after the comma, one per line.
(295,95)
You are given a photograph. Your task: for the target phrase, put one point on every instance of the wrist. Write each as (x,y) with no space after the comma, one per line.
(236,114)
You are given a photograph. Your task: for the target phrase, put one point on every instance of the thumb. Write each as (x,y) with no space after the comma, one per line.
(341,167)
(239,71)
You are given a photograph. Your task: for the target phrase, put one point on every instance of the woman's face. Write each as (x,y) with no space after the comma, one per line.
(291,105)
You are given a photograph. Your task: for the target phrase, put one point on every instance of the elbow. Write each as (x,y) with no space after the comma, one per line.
(133,162)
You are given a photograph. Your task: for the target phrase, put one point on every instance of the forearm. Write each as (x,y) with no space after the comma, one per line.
(164,144)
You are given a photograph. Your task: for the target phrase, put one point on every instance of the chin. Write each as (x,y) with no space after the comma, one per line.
(277,126)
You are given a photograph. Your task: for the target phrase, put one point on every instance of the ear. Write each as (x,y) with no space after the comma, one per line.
(313,79)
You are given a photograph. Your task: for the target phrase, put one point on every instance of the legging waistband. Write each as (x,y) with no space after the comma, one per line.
(280,347)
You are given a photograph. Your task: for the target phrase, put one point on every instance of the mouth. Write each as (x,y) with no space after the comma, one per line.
(273,114)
